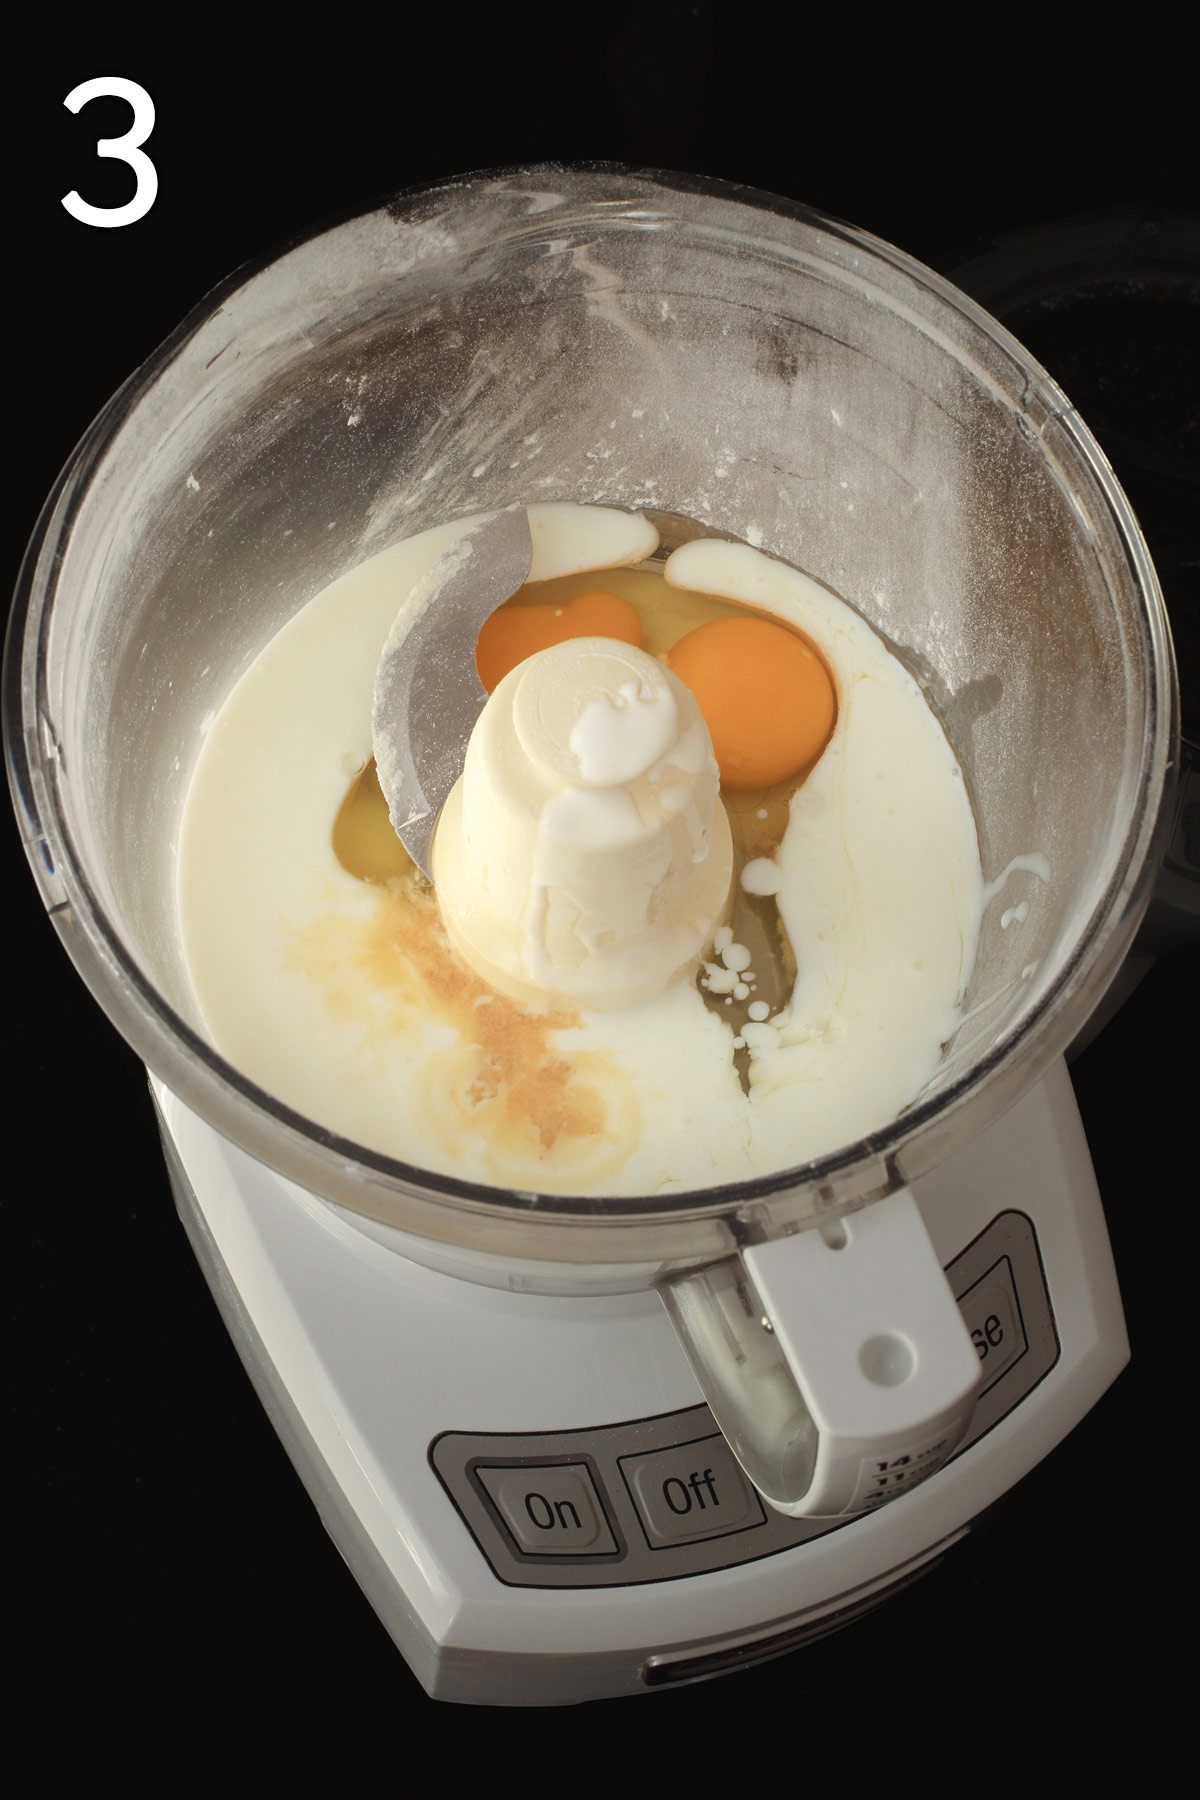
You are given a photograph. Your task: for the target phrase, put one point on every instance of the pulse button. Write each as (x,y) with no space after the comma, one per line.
(690,1492)
(550,1509)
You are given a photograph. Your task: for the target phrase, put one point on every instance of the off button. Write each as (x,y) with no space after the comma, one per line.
(690,1492)
(551,1509)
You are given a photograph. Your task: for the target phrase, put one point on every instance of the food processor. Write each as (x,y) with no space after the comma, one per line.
(572,1447)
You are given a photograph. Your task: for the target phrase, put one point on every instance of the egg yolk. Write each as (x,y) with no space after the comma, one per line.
(515,632)
(766,697)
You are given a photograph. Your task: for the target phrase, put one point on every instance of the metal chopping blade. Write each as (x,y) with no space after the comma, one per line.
(428,694)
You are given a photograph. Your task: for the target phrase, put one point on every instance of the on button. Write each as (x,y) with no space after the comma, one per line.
(551,1509)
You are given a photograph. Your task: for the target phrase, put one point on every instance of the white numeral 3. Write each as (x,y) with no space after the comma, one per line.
(125,149)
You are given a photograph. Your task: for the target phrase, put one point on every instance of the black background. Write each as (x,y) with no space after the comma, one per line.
(173,1583)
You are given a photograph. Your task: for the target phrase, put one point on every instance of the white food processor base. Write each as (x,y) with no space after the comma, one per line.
(531,1490)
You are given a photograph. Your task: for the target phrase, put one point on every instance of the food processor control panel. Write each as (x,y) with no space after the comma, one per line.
(661,1498)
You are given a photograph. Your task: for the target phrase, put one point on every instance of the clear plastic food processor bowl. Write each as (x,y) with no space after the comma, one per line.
(653,342)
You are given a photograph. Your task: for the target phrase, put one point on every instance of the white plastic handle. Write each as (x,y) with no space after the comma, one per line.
(865,1319)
